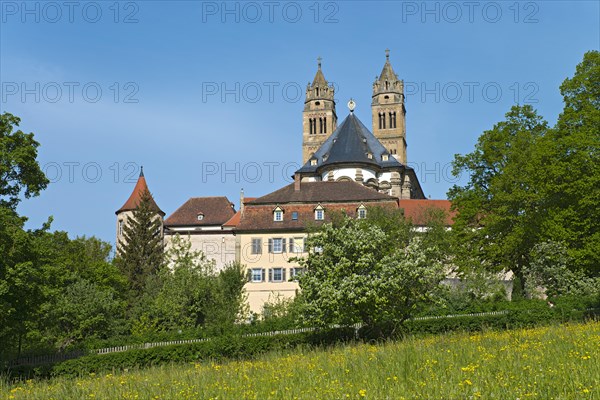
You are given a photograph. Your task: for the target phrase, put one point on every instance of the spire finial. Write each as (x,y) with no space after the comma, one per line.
(387,54)
(351,105)
(319,59)
(141,171)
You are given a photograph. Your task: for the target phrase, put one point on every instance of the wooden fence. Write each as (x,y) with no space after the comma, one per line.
(53,358)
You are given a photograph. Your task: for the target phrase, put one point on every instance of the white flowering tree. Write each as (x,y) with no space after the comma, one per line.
(354,276)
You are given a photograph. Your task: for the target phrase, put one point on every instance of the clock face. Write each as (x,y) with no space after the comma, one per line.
(351,105)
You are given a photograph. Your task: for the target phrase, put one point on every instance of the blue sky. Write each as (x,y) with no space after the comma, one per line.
(208,96)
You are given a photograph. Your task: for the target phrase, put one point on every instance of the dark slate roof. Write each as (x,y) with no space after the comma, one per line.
(350,144)
(323,192)
(216,210)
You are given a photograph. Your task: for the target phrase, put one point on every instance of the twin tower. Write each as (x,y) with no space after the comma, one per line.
(387,106)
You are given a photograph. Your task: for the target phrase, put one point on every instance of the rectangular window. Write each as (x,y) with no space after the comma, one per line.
(277,245)
(362,213)
(296,245)
(277,275)
(120,227)
(295,215)
(278,216)
(257,275)
(256,246)
(319,214)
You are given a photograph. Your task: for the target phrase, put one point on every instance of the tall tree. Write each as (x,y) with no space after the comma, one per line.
(19,168)
(21,275)
(499,208)
(571,175)
(140,250)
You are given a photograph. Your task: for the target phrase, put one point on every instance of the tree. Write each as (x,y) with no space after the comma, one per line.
(355,276)
(530,184)
(21,275)
(19,169)
(192,293)
(498,220)
(140,251)
(570,179)
(551,273)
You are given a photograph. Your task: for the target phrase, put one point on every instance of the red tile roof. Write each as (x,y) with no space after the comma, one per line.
(260,217)
(234,221)
(416,210)
(134,200)
(324,191)
(216,211)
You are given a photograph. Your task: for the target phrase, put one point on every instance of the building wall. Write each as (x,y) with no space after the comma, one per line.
(261,292)
(218,246)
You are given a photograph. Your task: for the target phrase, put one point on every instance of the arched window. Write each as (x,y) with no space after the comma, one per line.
(324,124)
(392,120)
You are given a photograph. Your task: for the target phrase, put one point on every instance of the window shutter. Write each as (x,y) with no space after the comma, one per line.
(249,275)
(283,245)
(292,249)
(262,275)
(258,246)
(283,274)
(270,245)
(270,274)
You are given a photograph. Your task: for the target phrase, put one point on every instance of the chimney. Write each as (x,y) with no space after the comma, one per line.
(297,182)
(242,201)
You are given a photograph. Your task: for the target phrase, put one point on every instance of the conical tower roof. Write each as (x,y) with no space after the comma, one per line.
(387,73)
(319,78)
(136,196)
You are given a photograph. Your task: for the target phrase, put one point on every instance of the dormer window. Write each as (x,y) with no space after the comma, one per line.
(369,156)
(200,217)
(278,214)
(361,212)
(313,161)
(384,157)
(319,213)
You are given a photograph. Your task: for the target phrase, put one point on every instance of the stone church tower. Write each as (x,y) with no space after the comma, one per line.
(389,114)
(319,119)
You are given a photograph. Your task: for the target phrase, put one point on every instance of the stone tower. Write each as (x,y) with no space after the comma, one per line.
(319,119)
(125,213)
(389,114)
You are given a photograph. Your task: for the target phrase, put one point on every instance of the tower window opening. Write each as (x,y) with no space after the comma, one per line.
(317,91)
(392,120)
(382,120)
(324,124)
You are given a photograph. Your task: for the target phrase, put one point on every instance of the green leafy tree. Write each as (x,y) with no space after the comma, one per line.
(19,169)
(84,310)
(21,275)
(530,184)
(498,209)
(140,251)
(356,276)
(193,294)
(570,176)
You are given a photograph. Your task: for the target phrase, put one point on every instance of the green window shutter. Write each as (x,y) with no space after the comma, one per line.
(263,275)
(270,245)
(283,274)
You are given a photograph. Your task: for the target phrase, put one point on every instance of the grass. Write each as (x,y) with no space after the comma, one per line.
(555,362)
